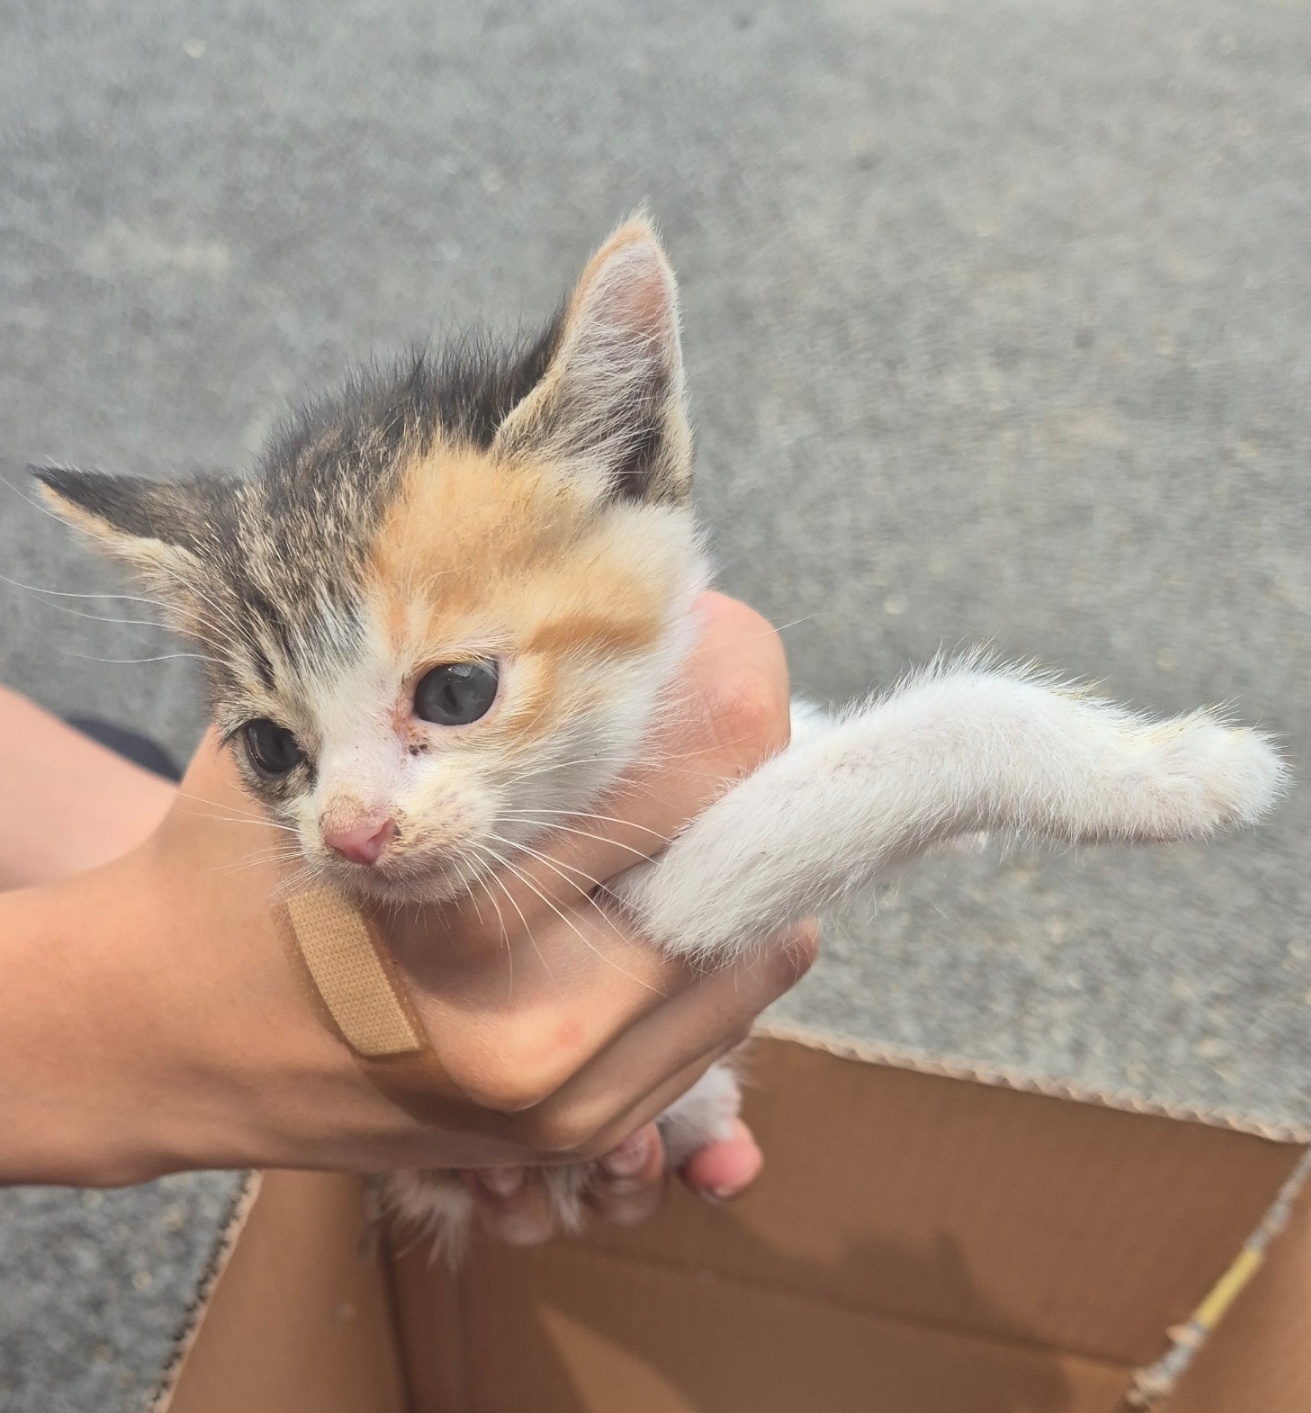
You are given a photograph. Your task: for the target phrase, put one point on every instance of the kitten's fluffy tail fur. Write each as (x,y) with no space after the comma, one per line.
(957,749)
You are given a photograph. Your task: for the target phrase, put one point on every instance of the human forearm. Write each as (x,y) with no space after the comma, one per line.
(145,1030)
(66,803)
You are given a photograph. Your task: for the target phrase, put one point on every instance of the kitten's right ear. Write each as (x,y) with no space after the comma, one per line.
(157,527)
(610,408)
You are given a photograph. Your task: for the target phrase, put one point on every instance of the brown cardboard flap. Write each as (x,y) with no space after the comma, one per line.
(1259,1359)
(1006,1215)
(565,1329)
(297,1323)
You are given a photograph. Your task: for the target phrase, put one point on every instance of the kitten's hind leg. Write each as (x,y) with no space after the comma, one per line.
(958,750)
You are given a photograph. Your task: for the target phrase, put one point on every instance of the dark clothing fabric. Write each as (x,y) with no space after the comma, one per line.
(140,750)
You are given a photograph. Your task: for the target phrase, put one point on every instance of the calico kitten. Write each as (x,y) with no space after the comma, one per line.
(449,603)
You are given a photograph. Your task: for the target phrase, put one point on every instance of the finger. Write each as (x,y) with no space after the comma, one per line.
(509,1039)
(723,1170)
(630,1179)
(514,1048)
(709,1017)
(651,1105)
(513,1205)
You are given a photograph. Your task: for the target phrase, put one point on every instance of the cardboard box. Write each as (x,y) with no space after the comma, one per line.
(921,1242)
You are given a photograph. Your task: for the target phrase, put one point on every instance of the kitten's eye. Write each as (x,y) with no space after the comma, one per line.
(273,750)
(456,693)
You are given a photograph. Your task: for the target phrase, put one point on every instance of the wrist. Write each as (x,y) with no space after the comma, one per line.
(246,1073)
(79,1093)
(155,1024)
(70,804)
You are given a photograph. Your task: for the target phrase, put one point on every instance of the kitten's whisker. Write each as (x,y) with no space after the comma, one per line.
(555,868)
(587,895)
(307,873)
(223,818)
(587,834)
(126,661)
(649,760)
(236,819)
(462,859)
(780,628)
(783,627)
(275,853)
(35,504)
(573,927)
(280,847)
(484,881)
(224,615)
(234,815)
(283,848)
(66,594)
(261,860)
(94,617)
(532,888)
(217,804)
(514,903)
(590,814)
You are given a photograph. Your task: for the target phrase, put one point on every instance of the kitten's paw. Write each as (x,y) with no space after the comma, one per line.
(707,1113)
(1218,777)
(439,1206)
(431,1205)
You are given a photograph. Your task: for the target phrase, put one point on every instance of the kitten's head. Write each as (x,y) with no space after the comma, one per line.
(438,618)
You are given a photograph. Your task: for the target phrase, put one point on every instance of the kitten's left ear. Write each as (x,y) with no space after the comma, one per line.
(610,408)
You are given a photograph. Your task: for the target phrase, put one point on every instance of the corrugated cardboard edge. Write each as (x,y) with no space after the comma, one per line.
(1260,1354)
(1159,1380)
(234,1223)
(1004,1077)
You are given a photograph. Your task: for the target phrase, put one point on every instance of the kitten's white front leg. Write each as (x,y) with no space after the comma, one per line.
(954,751)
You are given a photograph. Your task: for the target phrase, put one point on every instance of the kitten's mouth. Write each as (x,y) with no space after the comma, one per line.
(408,881)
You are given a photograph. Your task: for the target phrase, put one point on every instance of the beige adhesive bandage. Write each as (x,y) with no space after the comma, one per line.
(363,1000)
(349,973)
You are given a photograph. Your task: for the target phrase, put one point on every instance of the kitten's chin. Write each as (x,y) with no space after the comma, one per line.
(404,883)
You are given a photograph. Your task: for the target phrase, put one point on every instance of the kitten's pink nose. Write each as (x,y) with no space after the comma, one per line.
(362,843)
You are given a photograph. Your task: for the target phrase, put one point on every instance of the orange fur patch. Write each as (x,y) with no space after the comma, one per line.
(482,555)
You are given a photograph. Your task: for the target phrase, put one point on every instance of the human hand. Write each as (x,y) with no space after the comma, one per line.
(562,1033)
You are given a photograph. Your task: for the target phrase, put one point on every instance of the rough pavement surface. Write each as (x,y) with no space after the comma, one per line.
(998,321)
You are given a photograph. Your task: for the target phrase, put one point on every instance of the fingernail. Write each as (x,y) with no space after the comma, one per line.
(501,1182)
(630,1157)
(720,1194)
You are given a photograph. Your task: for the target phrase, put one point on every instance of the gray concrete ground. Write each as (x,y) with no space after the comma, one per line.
(998,321)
